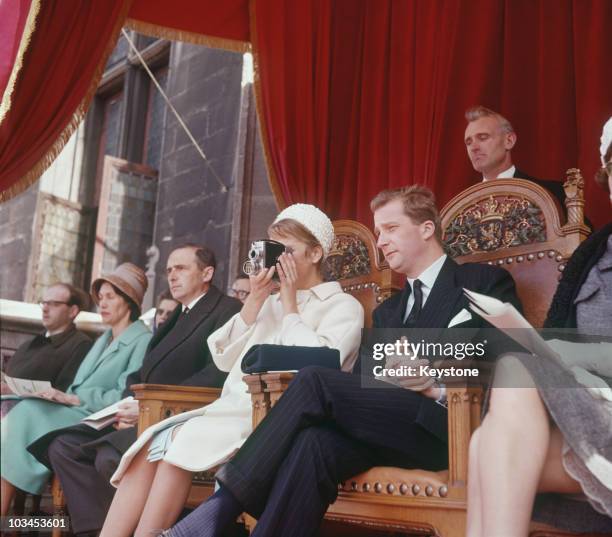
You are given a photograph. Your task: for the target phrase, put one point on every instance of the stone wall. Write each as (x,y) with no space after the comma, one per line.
(195,199)
(16,224)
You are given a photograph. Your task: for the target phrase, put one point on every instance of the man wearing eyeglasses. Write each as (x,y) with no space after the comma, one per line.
(241,288)
(55,355)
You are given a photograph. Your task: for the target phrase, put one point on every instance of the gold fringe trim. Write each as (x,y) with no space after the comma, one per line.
(24,43)
(164,32)
(277,192)
(47,159)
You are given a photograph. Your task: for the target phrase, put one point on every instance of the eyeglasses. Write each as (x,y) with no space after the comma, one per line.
(240,294)
(52,303)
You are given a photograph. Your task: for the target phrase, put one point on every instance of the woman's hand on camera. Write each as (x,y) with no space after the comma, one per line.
(288,276)
(262,286)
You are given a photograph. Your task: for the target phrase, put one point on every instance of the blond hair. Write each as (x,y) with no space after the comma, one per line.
(419,205)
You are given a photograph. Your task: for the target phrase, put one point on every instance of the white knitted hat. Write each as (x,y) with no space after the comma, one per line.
(606,138)
(314,220)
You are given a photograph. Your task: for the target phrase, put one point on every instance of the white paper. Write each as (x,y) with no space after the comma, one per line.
(106,416)
(26,387)
(506,317)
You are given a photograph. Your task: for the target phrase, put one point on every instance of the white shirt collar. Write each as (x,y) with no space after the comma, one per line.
(192,304)
(506,174)
(428,279)
(430,274)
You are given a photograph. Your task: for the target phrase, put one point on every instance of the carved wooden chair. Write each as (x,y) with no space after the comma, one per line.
(511,223)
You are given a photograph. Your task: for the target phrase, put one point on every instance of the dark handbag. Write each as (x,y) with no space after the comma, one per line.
(265,357)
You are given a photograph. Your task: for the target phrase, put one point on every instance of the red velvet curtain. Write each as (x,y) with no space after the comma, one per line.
(224,19)
(12,21)
(66,52)
(354,95)
(64,60)
(359,95)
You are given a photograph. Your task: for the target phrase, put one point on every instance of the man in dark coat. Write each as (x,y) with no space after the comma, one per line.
(55,355)
(83,458)
(489,140)
(331,425)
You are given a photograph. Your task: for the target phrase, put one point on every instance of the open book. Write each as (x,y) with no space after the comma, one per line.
(506,317)
(105,417)
(25,388)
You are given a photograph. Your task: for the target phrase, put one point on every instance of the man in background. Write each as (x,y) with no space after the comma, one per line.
(164,307)
(241,288)
(55,355)
(489,140)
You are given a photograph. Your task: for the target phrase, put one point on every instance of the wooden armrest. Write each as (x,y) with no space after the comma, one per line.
(160,401)
(265,390)
(464,408)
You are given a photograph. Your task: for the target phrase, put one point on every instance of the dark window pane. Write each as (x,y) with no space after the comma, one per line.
(119,52)
(155,121)
(144,41)
(111,126)
(109,135)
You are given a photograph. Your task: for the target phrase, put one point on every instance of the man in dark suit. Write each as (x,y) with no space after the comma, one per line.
(83,458)
(489,139)
(330,425)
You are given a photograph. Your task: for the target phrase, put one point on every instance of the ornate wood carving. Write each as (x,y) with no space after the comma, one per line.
(349,258)
(495,222)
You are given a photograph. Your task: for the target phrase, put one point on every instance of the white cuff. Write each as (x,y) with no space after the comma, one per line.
(441,400)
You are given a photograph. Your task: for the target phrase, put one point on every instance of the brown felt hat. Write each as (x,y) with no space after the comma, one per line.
(128,278)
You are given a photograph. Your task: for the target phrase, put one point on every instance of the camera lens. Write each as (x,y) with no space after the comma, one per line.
(252,254)
(248,268)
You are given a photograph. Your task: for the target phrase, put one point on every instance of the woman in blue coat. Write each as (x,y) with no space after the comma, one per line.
(99,382)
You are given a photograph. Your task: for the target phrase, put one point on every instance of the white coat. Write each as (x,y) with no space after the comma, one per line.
(327,317)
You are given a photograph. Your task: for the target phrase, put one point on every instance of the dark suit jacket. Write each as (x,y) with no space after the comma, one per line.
(177,354)
(446,300)
(55,359)
(554,187)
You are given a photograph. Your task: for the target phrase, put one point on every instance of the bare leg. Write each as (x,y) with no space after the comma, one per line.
(514,439)
(474,513)
(166,499)
(554,478)
(130,498)
(8,493)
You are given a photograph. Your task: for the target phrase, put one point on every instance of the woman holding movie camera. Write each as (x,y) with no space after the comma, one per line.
(154,476)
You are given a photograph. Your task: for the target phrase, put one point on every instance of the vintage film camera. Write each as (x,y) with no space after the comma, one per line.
(263,254)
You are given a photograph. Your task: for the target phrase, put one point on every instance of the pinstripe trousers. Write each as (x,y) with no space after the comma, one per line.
(326,428)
